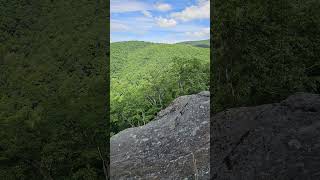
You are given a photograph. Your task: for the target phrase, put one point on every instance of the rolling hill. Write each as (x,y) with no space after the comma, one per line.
(201,43)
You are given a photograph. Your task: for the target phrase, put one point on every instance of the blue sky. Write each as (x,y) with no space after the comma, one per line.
(164,21)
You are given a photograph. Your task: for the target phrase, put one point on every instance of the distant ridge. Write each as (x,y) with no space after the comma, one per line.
(201,43)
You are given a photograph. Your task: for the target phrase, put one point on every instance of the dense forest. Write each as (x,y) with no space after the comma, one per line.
(146,77)
(263,51)
(53,89)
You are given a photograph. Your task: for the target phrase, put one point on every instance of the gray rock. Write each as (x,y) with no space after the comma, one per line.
(273,141)
(277,141)
(173,146)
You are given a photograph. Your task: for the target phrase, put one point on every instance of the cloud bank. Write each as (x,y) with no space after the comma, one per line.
(168,21)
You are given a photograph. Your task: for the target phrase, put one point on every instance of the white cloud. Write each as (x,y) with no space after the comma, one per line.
(203,33)
(202,1)
(163,22)
(199,11)
(163,7)
(136,25)
(121,6)
(146,13)
(118,27)
(175,27)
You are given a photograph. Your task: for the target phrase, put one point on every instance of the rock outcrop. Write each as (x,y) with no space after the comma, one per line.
(269,142)
(173,146)
(278,141)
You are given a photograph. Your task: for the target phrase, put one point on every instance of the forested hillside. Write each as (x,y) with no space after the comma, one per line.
(264,51)
(53,89)
(120,52)
(145,77)
(201,43)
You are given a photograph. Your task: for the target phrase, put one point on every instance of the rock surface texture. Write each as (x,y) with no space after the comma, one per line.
(269,142)
(278,141)
(173,146)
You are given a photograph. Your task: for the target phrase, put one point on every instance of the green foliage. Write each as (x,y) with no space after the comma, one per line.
(53,89)
(264,51)
(150,77)
(201,43)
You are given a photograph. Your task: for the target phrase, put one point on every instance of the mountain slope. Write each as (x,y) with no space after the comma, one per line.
(158,58)
(147,76)
(120,52)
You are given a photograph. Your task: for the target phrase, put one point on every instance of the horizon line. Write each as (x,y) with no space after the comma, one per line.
(159,42)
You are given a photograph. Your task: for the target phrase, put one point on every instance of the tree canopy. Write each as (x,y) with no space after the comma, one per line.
(53,89)
(146,77)
(263,51)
